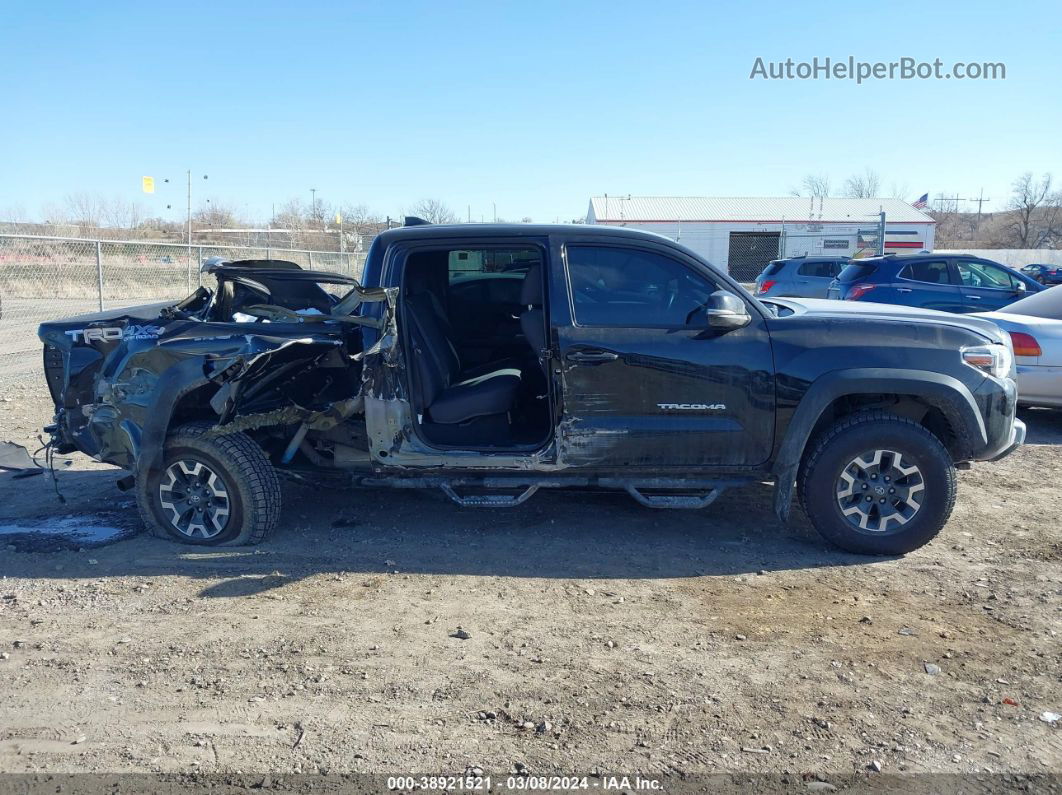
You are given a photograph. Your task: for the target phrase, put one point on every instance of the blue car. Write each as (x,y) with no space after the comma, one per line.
(950,283)
(1044,274)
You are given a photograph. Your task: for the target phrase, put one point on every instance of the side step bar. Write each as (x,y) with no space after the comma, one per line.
(692,501)
(488,500)
(688,493)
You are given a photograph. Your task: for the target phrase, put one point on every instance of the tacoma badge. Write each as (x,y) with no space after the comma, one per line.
(692,406)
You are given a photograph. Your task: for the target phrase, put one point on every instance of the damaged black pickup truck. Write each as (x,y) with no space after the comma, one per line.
(491,361)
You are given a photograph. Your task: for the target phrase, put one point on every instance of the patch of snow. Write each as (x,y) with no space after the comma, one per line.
(74,528)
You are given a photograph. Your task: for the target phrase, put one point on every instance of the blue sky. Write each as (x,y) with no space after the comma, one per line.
(533,106)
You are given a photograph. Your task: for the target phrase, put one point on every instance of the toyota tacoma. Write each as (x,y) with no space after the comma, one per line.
(493,361)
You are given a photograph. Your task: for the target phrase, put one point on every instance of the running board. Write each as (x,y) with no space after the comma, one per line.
(689,501)
(488,500)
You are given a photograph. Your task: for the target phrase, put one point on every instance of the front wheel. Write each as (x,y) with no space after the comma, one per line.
(211,490)
(877,483)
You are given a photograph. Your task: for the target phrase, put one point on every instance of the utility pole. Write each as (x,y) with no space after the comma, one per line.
(495,211)
(189,212)
(189,222)
(313,204)
(980,200)
(881,234)
(953,203)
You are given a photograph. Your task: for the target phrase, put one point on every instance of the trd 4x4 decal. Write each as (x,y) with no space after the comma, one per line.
(114,333)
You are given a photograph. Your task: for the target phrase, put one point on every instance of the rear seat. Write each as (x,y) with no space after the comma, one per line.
(447,394)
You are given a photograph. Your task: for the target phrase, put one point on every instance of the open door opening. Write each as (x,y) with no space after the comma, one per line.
(475,329)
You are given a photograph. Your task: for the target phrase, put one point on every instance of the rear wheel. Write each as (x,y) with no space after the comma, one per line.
(211,491)
(1041,279)
(879,484)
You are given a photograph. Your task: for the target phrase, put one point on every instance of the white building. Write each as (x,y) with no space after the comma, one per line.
(744,234)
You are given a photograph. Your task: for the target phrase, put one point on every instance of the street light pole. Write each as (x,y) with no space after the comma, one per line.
(188,220)
(313,204)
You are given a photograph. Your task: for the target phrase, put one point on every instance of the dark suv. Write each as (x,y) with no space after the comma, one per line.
(950,283)
(799,277)
(625,362)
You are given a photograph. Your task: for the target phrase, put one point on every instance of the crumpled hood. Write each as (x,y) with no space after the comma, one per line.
(867,310)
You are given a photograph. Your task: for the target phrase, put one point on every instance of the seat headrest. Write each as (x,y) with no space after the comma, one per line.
(531,290)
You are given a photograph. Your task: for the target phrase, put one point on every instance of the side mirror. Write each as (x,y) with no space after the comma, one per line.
(1021,287)
(726,311)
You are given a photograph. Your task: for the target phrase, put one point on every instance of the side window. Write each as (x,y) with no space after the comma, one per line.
(632,288)
(928,271)
(822,270)
(985,274)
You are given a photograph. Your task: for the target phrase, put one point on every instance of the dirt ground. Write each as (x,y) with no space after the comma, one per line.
(602,635)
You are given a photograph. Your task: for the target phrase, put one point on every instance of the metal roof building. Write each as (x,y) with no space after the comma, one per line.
(743,234)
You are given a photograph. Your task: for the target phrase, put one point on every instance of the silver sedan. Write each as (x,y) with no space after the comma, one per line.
(1035,328)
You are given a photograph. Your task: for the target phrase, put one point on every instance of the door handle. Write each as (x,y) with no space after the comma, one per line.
(974,297)
(591,355)
(903,289)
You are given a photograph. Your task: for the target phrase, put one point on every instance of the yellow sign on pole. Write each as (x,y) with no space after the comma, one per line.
(339,218)
(148,183)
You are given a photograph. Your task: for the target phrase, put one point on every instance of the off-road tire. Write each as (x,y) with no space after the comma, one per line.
(251,483)
(820,480)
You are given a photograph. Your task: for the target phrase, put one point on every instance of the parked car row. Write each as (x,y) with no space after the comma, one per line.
(1015,300)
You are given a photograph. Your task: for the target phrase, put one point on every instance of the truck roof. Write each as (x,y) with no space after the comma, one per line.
(428,231)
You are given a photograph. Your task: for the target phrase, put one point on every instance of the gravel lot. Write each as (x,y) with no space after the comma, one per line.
(602,635)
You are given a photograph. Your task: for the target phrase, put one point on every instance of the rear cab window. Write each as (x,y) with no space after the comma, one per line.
(774,268)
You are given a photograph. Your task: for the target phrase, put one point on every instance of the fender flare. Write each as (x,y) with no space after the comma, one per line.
(945,392)
(172,385)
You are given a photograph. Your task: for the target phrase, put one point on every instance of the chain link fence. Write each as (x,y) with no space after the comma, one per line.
(45,278)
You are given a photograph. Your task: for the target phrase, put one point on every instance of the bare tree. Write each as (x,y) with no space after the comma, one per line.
(900,190)
(216,215)
(1036,210)
(14,213)
(122,213)
(863,186)
(359,216)
(433,211)
(815,185)
(84,209)
(291,215)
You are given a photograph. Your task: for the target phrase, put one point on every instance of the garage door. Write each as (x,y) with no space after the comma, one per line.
(750,252)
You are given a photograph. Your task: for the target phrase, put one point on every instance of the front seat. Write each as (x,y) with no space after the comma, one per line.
(532,318)
(446,394)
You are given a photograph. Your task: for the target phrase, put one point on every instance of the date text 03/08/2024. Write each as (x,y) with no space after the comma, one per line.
(526,783)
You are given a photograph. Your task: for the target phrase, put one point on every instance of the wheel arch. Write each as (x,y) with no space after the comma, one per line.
(940,403)
(180,385)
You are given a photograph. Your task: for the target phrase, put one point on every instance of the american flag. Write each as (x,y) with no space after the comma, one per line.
(923,200)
